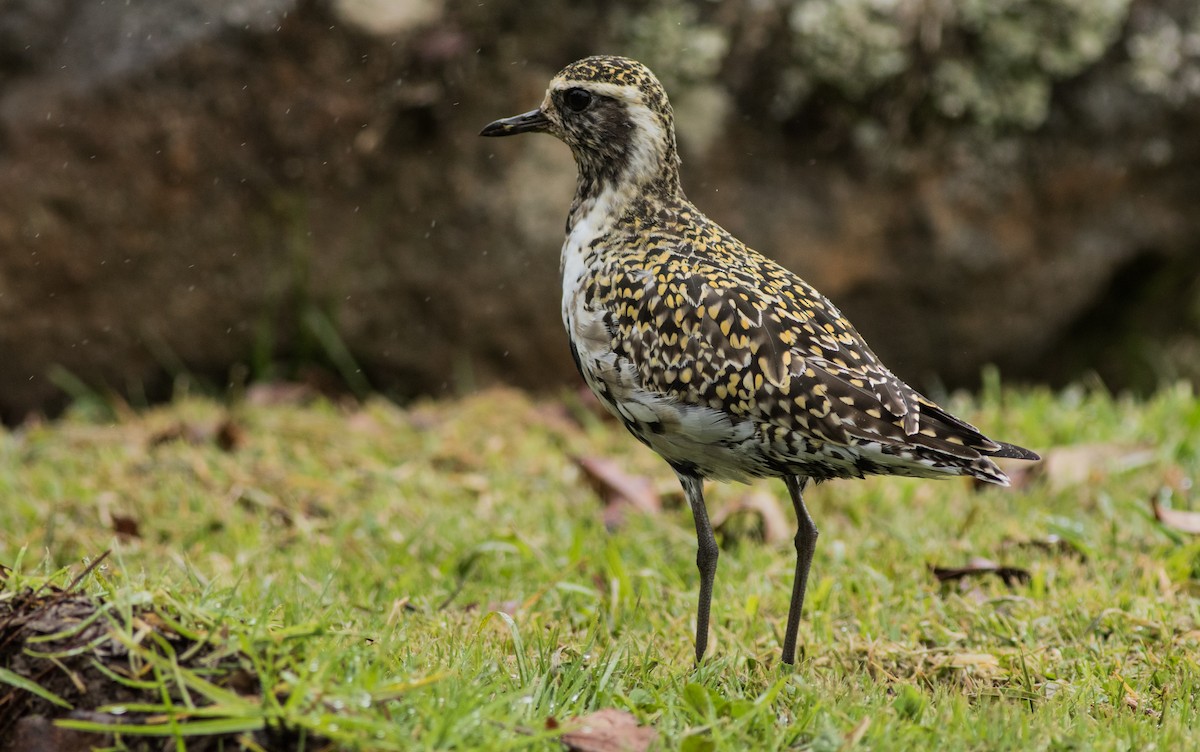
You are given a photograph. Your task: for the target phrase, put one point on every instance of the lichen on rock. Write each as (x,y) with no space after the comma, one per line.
(677,43)
(988,63)
(1164,54)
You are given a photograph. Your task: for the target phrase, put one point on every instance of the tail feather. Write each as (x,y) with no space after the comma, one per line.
(950,425)
(1012,451)
(986,470)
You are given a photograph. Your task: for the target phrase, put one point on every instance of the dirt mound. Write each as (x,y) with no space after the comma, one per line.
(71,664)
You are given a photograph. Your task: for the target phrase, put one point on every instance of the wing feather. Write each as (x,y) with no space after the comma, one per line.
(756,341)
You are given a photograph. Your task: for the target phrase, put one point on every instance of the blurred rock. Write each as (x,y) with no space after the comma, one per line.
(388,16)
(193,187)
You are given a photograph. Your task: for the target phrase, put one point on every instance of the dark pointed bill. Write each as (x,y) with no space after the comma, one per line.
(530,122)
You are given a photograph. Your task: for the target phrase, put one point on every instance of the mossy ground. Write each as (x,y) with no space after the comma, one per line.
(440,576)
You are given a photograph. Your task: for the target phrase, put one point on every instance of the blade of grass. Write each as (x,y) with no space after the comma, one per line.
(211,727)
(14,679)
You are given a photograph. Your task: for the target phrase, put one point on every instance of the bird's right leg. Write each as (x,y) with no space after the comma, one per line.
(706,556)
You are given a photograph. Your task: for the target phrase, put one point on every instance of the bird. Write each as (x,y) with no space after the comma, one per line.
(725,363)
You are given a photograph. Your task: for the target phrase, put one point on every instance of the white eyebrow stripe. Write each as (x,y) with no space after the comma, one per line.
(625,93)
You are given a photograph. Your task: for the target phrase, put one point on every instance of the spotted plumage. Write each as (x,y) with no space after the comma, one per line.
(727,364)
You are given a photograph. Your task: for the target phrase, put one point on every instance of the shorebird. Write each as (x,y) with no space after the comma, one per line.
(725,363)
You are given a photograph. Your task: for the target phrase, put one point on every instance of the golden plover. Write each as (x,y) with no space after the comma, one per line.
(725,363)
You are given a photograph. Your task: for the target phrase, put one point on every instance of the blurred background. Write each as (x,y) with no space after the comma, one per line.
(224,191)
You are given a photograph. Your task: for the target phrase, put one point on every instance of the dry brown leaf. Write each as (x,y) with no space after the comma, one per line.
(1176,519)
(978,565)
(618,489)
(230,436)
(608,730)
(773,525)
(126,526)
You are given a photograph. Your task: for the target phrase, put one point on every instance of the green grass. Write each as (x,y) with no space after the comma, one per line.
(365,562)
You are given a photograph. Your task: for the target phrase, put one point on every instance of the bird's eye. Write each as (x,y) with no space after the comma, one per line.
(578,99)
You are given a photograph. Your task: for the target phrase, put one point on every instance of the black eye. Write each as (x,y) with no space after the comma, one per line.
(578,99)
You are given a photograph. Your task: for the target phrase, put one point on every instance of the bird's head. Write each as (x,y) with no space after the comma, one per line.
(614,114)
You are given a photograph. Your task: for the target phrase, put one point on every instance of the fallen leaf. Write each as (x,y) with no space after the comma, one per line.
(230,436)
(978,565)
(1176,519)
(123,525)
(772,524)
(618,490)
(126,526)
(608,730)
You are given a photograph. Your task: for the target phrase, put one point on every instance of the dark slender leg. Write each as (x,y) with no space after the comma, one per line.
(806,544)
(706,556)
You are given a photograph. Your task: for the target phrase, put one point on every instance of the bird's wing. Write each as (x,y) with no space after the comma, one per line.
(761,343)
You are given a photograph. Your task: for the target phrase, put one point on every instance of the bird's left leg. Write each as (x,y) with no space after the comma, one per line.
(806,544)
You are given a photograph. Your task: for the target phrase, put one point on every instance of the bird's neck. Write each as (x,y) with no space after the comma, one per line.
(614,182)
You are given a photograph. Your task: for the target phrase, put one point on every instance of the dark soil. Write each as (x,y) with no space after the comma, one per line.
(77,665)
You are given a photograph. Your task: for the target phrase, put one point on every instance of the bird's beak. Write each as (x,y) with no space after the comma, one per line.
(533,121)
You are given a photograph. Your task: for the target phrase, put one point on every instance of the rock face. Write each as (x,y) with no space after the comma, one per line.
(203,188)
